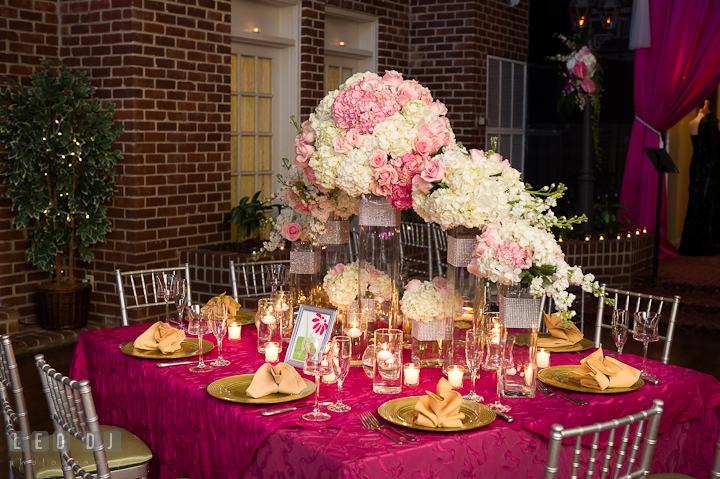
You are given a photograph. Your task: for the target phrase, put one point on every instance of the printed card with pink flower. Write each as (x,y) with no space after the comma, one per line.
(311,322)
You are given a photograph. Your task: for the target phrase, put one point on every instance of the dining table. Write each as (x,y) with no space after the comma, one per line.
(193,434)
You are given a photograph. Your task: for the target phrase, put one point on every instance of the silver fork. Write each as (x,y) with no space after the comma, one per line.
(547,392)
(369,426)
(374,421)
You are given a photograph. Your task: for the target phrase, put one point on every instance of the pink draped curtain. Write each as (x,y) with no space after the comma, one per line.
(672,77)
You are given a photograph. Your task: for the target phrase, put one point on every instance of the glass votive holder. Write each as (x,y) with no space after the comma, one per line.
(354,326)
(269,330)
(272,352)
(282,307)
(455,375)
(234,331)
(411,375)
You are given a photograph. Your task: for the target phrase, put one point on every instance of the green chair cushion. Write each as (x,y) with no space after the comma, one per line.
(669,475)
(132,452)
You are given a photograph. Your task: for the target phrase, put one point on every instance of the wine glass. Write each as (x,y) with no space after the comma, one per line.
(218,325)
(473,356)
(180,291)
(646,331)
(314,366)
(198,325)
(277,275)
(341,353)
(620,329)
(162,291)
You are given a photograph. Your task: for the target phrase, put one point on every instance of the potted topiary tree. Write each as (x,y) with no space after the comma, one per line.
(58,167)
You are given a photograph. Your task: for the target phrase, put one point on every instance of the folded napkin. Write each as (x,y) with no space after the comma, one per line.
(160,336)
(282,378)
(598,372)
(441,409)
(561,336)
(232,306)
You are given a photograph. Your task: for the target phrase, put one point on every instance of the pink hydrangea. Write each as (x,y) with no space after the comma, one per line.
(363,109)
(514,255)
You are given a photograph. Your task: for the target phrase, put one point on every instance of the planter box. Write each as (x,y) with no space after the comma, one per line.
(613,261)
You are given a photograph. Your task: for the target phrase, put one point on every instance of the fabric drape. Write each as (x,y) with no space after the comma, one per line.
(672,77)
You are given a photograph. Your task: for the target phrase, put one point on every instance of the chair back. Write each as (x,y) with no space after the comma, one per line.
(72,411)
(440,242)
(17,425)
(625,460)
(249,280)
(354,245)
(416,248)
(137,289)
(634,302)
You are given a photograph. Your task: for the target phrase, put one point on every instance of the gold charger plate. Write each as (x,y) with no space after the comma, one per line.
(584,344)
(558,376)
(233,389)
(245,317)
(401,411)
(189,348)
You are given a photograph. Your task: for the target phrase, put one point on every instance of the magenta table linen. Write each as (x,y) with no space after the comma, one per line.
(195,435)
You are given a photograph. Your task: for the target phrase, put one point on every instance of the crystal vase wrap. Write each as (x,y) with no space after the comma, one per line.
(466,287)
(430,342)
(519,376)
(518,308)
(334,249)
(387,371)
(379,249)
(304,275)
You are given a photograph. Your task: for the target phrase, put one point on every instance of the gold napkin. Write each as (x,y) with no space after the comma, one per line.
(282,378)
(232,306)
(160,336)
(441,409)
(560,336)
(598,372)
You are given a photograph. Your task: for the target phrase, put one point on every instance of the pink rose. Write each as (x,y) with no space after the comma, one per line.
(308,136)
(419,184)
(490,236)
(434,171)
(372,272)
(413,285)
(588,85)
(378,158)
(386,176)
(303,154)
(423,146)
(473,268)
(397,162)
(369,83)
(438,143)
(436,128)
(338,269)
(310,173)
(341,145)
(355,138)
(477,155)
(382,190)
(291,231)
(392,79)
(440,283)
(406,92)
(497,157)
(438,108)
(305,127)
(299,141)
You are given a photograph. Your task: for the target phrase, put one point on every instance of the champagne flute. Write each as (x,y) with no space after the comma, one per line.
(180,290)
(218,325)
(473,357)
(162,292)
(646,331)
(341,353)
(620,329)
(198,325)
(314,366)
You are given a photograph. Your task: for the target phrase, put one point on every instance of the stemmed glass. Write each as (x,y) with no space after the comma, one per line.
(646,331)
(341,353)
(277,275)
(163,291)
(218,325)
(473,357)
(620,329)
(314,366)
(198,325)
(180,292)
(505,361)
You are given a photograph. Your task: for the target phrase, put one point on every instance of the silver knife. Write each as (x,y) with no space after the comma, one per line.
(504,417)
(288,409)
(652,380)
(165,365)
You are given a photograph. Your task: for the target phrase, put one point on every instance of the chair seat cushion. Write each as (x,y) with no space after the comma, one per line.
(131,451)
(669,475)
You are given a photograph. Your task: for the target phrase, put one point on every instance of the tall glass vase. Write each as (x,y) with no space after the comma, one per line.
(304,276)
(468,296)
(379,251)
(334,249)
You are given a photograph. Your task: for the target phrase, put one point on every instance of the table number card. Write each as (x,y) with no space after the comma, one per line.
(310,322)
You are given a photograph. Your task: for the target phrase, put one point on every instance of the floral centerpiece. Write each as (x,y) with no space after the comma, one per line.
(373,135)
(427,300)
(341,284)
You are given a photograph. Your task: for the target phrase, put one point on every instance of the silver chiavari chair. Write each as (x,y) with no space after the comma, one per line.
(416,248)
(251,279)
(81,439)
(627,451)
(21,461)
(634,302)
(140,286)
(440,242)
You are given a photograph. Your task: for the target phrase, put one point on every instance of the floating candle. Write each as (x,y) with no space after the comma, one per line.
(384,354)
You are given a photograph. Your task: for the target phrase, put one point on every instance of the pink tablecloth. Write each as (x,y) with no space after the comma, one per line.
(193,434)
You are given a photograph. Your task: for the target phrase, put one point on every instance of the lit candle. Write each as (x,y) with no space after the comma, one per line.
(637,232)
(455,377)
(384,354)
(329,377)
(543,359)
(272,352)
(644,230)
(528,374)
(234,331)
(282,307)
(495,334)
(354,331)
(268,319)
(412,375)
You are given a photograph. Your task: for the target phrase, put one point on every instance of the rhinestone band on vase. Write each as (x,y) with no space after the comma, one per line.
(304,262)
(378,212)
(336,232)
(430,330)
(460,251)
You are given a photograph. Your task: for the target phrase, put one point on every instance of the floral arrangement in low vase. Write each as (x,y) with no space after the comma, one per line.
(427,300)
(374,135)
(341,284)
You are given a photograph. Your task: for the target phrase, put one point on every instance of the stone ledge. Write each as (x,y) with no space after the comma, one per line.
(33,339)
